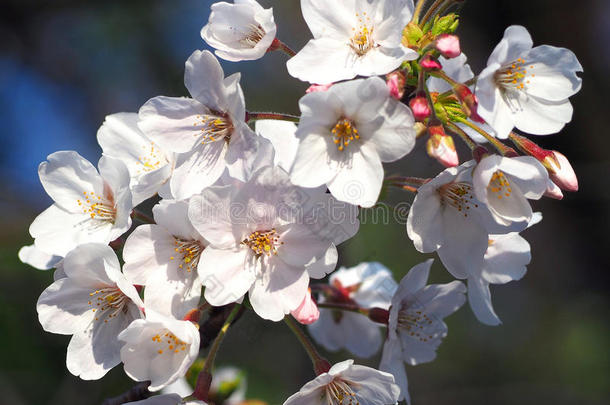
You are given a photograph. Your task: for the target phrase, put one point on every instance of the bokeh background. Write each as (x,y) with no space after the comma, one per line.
(65,64)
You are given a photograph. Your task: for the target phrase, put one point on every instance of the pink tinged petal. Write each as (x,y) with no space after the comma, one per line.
(551,73)
(173,291)
(553,191)
(307,312)
(381,60)
(464,245)
(57,231)
(359,180)
(391,362)
(515,43)
(116,178)
(174,123)
(227,274)
(442,300)
(479,298)
(322,61)
(506,258)
(236,103)
(278,289)
(66,176)
(173,216)
(203,78)
(150,184)
(246,153)
(563,175)
(198,169)
(492,106)
(37,258)
(148,249)
(425,223)
(313,166)
(360,335)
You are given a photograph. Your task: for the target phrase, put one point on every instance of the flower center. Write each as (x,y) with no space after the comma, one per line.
(362,40)
(253,36)
(499,185)
(190,251)
(98,207)
(169,343)
(513,79)
(414,322)
(214,127)
(108,299)
(264,242)
(339,392)
(344,132)
(458,195)
(151,160)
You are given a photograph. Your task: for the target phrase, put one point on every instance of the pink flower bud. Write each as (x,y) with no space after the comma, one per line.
(562,173)
(420,107)
(396,84)
(448,45)
(552,191)
(318,87)
(307,313)
(469,101)
(430,63)
(440,146)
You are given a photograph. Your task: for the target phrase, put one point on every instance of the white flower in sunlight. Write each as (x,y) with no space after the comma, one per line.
(94,303)
(368,285)
(505,184)
(165,399)
(527,87)
(282,135)
(416,326)
(240,31)
(347,383)
(164,257)
(149,166)
(352,38)
(505,260)
(89,206)
(159,349)
(447,217)
(344,135)
(208,131)
(37,258)
(267,237)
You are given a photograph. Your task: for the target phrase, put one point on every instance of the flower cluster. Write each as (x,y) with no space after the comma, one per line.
(249,207)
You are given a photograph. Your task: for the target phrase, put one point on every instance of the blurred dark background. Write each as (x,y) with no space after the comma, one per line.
(65,64)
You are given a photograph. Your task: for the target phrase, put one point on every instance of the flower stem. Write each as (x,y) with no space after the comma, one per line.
(432,10)
(500,147)
(204,379)
(463,135)
(255,116)
(278,45)
(343,307)
(142,217)
(418,9)
(320,364)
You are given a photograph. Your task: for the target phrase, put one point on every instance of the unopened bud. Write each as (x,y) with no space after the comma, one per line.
(469,101)
(552,191)
(379,315)
(318,87)
(420,107)
(430,63)
(307,313)
(562,173)
(445,25)
(396,82)
(448,45)
(441,147)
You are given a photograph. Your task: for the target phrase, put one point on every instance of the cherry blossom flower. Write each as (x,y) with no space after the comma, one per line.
(367,285)
(208,131)
(88,206)
(267,238)
(159,349)
(447,217)
(505,184)
(164,257)
(149,166)
(347,383)
(505,260)
(240,31)
(527,87)
(344,135)
(416,326)
(282,135)
(351,38)
(166,399)
(93,303)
